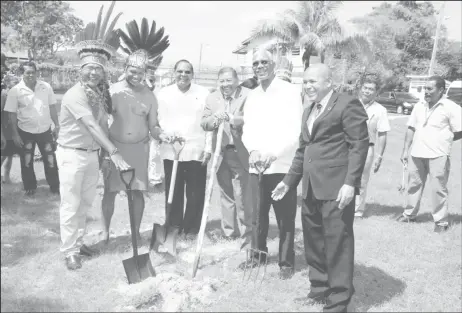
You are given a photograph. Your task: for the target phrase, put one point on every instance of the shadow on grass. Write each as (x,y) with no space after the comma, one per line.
(16,303)
(373,288)
(395,211)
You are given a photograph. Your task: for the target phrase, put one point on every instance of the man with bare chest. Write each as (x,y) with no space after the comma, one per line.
(134,116)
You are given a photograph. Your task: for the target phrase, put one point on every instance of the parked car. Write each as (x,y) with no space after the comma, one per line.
(454,92)
(398,102)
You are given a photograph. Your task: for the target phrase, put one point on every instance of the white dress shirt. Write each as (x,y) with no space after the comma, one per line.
(180,113)
(313,115)
(272,123)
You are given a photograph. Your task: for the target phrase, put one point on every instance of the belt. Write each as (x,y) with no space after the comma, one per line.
(79,149)
(371,144)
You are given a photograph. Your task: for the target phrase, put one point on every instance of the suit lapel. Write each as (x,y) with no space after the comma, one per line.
(332,102)
(307,117)
(234,105)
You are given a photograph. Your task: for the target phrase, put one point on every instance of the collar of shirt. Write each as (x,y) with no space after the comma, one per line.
(22,85)
(367,105)
(325,100)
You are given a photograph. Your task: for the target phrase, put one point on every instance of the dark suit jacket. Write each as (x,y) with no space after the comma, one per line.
(216,103)
(335,153)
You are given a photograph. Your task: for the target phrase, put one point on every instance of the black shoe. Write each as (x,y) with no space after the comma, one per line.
(54,190)
(440,228)
(286,272)
(85,250)
(319,297)
(405,219)
(73,262)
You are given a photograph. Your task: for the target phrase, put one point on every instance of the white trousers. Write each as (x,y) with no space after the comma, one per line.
(78,175)
(360,202)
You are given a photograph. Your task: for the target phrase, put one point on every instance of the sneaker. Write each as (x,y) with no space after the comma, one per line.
(440,228)
(405,219)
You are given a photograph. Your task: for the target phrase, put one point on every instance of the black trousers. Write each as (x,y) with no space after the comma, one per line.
(46,145)
(193,176)
(285,211)
(329,250)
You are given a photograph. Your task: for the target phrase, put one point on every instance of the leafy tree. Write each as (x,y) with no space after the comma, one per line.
(41,27)
(314,28)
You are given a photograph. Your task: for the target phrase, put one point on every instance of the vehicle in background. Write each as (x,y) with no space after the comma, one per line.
(454,92)
(399,102)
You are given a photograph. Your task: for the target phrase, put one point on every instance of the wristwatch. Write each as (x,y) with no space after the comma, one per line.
(114,152)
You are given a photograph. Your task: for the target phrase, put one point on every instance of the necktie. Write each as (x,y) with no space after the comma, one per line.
(228,139)
(314,116)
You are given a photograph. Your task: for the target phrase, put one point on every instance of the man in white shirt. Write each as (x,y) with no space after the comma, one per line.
(272,121)
(32,108)
(378,126)
(179,114)
(432,127)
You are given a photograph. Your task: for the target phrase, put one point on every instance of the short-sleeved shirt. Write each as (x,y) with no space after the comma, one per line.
(434,128)
(73,133)
(31,106)
(378,120)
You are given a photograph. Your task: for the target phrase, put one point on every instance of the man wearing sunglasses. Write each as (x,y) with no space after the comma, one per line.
(272,120)
(432,127)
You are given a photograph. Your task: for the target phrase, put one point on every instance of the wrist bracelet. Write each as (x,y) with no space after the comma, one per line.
(114,152)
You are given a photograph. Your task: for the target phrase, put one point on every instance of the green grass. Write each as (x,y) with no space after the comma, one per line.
(399,267)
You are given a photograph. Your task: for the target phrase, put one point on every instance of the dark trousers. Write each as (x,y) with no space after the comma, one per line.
(46,146)
(192,175)
(285,211)
(329,250)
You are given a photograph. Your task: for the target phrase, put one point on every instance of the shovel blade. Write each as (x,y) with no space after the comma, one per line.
(166,242)
(138,268)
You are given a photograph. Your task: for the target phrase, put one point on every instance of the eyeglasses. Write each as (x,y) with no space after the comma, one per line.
(263,62)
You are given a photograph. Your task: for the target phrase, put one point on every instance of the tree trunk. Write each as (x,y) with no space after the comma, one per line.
(306,58)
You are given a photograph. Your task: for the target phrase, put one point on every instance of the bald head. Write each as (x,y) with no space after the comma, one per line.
(317,82)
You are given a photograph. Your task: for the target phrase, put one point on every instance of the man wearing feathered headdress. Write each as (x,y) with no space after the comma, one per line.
(134,111)
(83,133)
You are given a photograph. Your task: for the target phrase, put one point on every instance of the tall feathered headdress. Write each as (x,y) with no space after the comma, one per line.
(97,42)
(144,47)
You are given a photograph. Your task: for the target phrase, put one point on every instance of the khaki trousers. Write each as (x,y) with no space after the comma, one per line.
(361,198)
(438,170)
(78,175)
(236,209)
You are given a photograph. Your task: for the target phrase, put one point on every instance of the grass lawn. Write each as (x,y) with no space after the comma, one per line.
(399,267)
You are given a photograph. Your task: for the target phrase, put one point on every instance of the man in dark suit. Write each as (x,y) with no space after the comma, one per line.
(225,105)
(330,160)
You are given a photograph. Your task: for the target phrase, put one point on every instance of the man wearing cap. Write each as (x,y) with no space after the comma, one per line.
(272,119)
(134,110)
(83,120)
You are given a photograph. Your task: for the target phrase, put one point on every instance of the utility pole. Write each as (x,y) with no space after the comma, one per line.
(435,44)
(200,61)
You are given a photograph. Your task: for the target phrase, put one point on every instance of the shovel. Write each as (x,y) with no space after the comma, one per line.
(138,267)
(208,198)
(164,235)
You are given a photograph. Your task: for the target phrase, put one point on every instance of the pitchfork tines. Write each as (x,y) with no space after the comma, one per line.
(252,262)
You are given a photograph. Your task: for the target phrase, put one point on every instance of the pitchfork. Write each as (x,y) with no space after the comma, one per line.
(252,253)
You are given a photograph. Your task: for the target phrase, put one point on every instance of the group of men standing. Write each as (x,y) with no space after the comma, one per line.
(331,147)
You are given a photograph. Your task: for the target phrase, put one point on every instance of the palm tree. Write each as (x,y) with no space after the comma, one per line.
(314,28)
